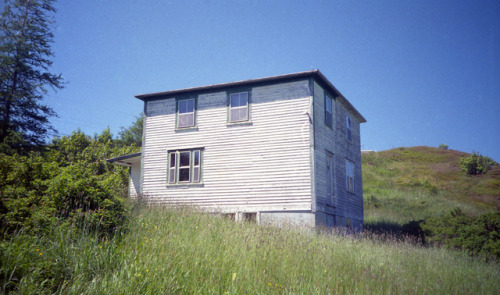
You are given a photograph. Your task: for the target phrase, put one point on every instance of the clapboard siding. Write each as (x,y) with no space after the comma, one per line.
(261,166)
(334,140)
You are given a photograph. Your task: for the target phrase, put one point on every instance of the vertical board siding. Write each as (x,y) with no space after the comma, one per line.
(260,166)
(334,140)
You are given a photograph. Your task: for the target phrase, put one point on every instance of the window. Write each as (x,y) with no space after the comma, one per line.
(185,113)
(238,107)
(328,110)
(348,127)
(184,166)
(349,175)
(330,179)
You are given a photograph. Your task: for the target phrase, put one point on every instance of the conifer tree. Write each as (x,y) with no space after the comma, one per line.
(25,62)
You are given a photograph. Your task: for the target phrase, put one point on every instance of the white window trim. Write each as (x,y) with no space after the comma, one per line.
(247,107)
(184,114)
(177,167)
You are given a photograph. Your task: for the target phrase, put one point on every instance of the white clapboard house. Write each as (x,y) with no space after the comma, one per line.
(282,149)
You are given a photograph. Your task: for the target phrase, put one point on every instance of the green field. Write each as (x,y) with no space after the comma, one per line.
(165,251)
(182,252)
(407,184)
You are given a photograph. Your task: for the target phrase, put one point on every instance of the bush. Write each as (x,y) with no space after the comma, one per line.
(476,164)
(68,181)
(478,236)
(443,146)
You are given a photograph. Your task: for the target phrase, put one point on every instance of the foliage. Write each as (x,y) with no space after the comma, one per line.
(184,252)
(25,52)
(476,164)
(68,181)
(443,146)
(131,135)
(479,236)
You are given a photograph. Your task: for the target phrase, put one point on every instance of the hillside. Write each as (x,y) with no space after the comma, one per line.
(405,184)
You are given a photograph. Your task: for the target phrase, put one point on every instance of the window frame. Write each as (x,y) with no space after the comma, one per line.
(328,115)
(349,176)
(330,179)
(230,107)
(348,128)
(174,167)
(178,114)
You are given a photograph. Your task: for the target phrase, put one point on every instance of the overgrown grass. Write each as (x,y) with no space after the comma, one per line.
(180,251)
(411,184)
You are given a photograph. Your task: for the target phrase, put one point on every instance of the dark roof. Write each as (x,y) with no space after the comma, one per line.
(319,77)
(125,160)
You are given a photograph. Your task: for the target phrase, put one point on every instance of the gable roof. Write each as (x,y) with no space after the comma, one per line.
(316,74)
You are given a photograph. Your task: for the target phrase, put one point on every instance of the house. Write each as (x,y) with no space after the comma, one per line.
(281,149)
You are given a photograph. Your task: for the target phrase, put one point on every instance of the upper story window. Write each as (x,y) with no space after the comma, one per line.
(184,166)
(186,113)
(328,110)
(348,126)
(349,175)
(238,107)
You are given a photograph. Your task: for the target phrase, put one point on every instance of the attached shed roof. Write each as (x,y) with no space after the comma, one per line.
(316,74)
(126,160)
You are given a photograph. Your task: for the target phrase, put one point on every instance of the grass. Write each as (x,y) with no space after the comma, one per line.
(180,251)
(411,184)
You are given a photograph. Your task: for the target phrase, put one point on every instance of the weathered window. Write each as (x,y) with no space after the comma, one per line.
(348,128)
(328,111)
(184,166)
(185,113)
(238,107)
(349,175)
(330,179)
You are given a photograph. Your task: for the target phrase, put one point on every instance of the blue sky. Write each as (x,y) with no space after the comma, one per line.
(421,72)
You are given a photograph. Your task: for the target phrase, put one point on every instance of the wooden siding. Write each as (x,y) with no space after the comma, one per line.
(260,166)
(334,140)
(134,179)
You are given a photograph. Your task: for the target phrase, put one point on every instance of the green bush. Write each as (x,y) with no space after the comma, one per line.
(443,146)
(476,164)
(68,181)
(478,236)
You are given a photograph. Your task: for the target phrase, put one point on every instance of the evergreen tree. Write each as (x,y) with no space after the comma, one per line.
(25,52)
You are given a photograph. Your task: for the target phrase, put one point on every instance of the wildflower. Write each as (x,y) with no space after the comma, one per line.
(40,253)
(138,275)
(234,276)
(147,270)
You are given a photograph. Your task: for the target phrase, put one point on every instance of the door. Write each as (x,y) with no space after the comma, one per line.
(330,180)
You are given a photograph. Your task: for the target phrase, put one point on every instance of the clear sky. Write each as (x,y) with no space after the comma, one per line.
(421,72)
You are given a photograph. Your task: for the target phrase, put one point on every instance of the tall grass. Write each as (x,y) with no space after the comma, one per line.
(180,251)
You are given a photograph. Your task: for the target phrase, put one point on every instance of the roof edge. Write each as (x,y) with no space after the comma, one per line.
(306,74)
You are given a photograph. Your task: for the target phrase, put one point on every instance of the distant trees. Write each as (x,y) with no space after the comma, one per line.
(25,60)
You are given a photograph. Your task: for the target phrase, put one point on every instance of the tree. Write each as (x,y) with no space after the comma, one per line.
(25,52)
(131,135)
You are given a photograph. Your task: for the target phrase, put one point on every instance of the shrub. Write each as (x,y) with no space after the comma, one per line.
(69,181)
(478,236)
(443,146)
(476,164)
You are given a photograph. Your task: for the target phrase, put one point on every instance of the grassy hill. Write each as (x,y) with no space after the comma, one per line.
(406,184)
(183,252)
